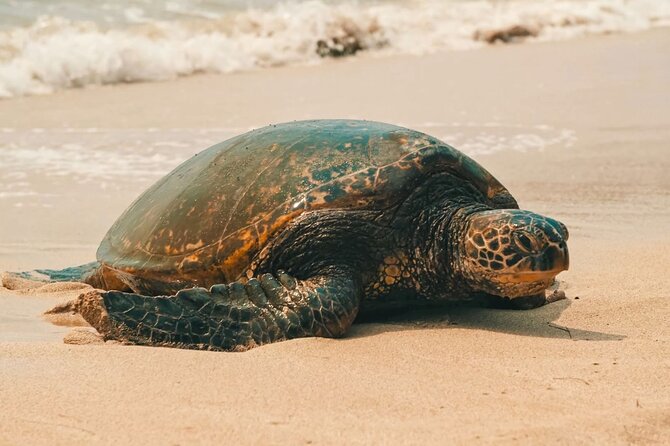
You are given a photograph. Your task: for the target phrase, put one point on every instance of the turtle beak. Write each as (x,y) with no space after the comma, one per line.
(553,261)
(557,258)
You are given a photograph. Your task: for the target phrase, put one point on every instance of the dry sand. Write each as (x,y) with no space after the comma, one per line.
(594,368)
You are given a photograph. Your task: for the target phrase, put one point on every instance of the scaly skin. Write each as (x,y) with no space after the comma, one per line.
(233,317)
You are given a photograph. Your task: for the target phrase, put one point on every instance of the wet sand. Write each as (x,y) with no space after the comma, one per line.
(591,369)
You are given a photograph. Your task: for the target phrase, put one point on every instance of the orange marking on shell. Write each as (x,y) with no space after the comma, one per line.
(249,209)
(171,250)
(319,198)
(194,246)
(493,191)
(279,222)
(240,257)
(401,139)
(212,209)
(270,191)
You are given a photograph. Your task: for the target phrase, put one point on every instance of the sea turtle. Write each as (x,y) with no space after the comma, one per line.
(293,229)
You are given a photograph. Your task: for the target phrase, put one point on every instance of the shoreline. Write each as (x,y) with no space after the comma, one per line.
(227,94)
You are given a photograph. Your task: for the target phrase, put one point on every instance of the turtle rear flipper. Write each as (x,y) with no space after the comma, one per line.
(231,317)
(71,274)
(83,273)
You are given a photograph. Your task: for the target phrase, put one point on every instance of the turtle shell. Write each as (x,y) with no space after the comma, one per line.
(204,222)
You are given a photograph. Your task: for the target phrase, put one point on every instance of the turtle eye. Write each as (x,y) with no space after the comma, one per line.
(525,241)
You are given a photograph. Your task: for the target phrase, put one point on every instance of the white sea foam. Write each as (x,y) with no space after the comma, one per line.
(130,44)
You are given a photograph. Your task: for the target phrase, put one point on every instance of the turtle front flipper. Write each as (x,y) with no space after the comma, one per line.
(231,317)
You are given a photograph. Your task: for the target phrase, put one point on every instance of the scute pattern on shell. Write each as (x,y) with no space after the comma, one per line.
(204,222)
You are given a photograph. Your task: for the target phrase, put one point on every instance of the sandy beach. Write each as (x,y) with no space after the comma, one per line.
(578,130)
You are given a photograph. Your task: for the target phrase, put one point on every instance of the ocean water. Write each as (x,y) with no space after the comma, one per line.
(48,45)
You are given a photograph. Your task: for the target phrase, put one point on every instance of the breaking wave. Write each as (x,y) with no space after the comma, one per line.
(180,38)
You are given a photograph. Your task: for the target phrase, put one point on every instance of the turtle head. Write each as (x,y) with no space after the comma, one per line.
(512,253)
